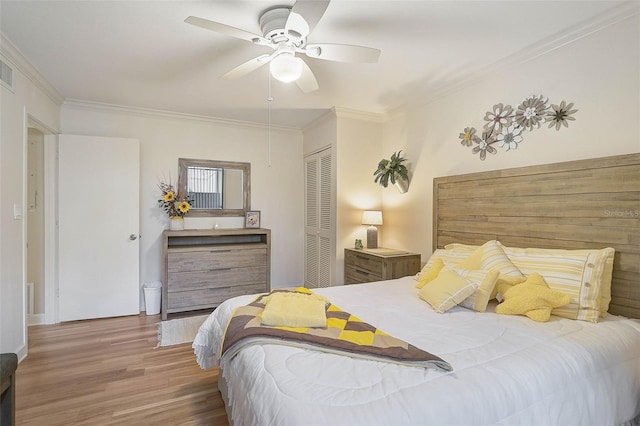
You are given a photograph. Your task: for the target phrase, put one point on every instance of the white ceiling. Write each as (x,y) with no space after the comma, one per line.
(141,53)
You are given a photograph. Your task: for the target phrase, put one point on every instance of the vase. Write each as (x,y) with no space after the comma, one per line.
(402,184)
(176,223)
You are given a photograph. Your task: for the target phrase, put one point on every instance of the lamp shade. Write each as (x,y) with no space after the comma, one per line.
(372,217)
(286,67)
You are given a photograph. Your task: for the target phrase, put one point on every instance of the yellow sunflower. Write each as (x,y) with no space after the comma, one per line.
(169,196)
(183,206)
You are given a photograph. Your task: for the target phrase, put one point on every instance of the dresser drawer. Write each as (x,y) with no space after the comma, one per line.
(364,263)
(209,297)
(218,278)
(213,259)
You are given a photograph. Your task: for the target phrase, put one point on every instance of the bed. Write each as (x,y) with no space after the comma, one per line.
(507,369)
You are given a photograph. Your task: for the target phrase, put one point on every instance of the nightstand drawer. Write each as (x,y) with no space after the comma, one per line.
(363,262)
(356,275)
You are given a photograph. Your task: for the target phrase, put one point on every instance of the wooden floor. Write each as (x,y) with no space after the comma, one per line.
(108,372)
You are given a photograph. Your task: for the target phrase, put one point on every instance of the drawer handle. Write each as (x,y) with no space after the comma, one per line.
(219,251)
(362,271)
(220,269)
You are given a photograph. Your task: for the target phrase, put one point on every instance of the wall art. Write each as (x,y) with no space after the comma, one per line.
(506,126)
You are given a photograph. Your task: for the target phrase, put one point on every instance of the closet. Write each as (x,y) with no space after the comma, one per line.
(319,235)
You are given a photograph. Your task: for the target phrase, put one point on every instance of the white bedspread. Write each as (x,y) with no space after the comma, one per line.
(507,369)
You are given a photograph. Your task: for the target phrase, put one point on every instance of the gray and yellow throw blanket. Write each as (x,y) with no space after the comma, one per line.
(340,333)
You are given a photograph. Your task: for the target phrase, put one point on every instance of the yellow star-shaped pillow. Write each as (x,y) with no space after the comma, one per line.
(532,298)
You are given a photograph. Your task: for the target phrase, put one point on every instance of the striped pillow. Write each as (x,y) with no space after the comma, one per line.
(485,283)
(461,247)
(584,274)
(491,257)
(449,257)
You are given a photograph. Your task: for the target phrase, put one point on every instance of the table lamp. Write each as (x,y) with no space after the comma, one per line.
(372,218)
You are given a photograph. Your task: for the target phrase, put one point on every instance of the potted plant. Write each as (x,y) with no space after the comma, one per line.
(393,170)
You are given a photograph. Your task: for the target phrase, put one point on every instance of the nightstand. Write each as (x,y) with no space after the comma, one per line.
(367,265)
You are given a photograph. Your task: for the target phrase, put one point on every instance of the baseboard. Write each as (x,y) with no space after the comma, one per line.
(35,319)
(22,353)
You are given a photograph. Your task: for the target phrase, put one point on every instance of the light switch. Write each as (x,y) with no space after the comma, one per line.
(17,212)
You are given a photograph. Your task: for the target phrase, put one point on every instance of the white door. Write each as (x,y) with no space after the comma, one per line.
(318,221)
(98,223)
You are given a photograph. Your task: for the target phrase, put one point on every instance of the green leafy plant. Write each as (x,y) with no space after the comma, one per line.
(391,170)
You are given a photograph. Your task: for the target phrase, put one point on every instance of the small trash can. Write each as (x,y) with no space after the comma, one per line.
(152,297)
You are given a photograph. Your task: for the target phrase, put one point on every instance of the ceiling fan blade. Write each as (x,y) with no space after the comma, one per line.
(305,15)
(307,81)
(343,53)
(247,67)
(224,29)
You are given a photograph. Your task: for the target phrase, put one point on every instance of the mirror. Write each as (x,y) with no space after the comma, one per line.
(215,188)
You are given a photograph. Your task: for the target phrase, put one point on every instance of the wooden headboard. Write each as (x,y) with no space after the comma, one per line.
(579,204)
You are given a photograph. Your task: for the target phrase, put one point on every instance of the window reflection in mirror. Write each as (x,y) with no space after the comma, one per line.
(215,188)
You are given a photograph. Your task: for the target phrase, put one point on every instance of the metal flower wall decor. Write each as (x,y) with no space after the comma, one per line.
(505,125)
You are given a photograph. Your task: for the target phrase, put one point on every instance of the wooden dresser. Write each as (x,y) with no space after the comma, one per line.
(367,265)
(204,267)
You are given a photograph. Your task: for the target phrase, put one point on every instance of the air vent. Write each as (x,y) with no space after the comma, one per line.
(6,74)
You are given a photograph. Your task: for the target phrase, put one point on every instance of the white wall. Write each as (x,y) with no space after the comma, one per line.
(600,73)
(359,149)
(29,99)
(276,190)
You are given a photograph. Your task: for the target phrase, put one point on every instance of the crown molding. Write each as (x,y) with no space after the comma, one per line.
(604,20)
(353,114)
(13,56)
(78,104)
(359,115)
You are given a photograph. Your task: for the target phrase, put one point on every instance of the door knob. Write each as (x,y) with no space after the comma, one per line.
(133,237)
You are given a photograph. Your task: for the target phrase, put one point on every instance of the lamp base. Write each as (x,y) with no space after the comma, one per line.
(372,237)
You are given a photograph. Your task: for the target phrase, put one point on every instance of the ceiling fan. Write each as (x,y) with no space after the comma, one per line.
(285,30)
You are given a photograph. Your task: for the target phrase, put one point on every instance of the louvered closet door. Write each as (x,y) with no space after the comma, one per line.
(318,220)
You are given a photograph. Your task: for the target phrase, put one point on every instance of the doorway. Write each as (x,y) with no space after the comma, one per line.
(35,224)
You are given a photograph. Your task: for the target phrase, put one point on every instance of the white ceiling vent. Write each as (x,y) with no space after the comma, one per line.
(6,75)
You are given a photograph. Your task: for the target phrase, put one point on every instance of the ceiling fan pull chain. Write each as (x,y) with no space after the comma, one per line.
(269,100)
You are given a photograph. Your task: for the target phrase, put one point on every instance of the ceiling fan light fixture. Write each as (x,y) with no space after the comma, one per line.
(286,68)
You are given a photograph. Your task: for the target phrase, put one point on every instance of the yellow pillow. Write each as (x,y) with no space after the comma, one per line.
(532,298)
(446,291)
(430,273)
(485,282)
(584,274)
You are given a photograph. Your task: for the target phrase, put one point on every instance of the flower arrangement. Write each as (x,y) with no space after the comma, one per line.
(171,203)
(505,125)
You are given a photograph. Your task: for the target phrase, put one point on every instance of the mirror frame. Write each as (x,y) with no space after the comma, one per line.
(183,163)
